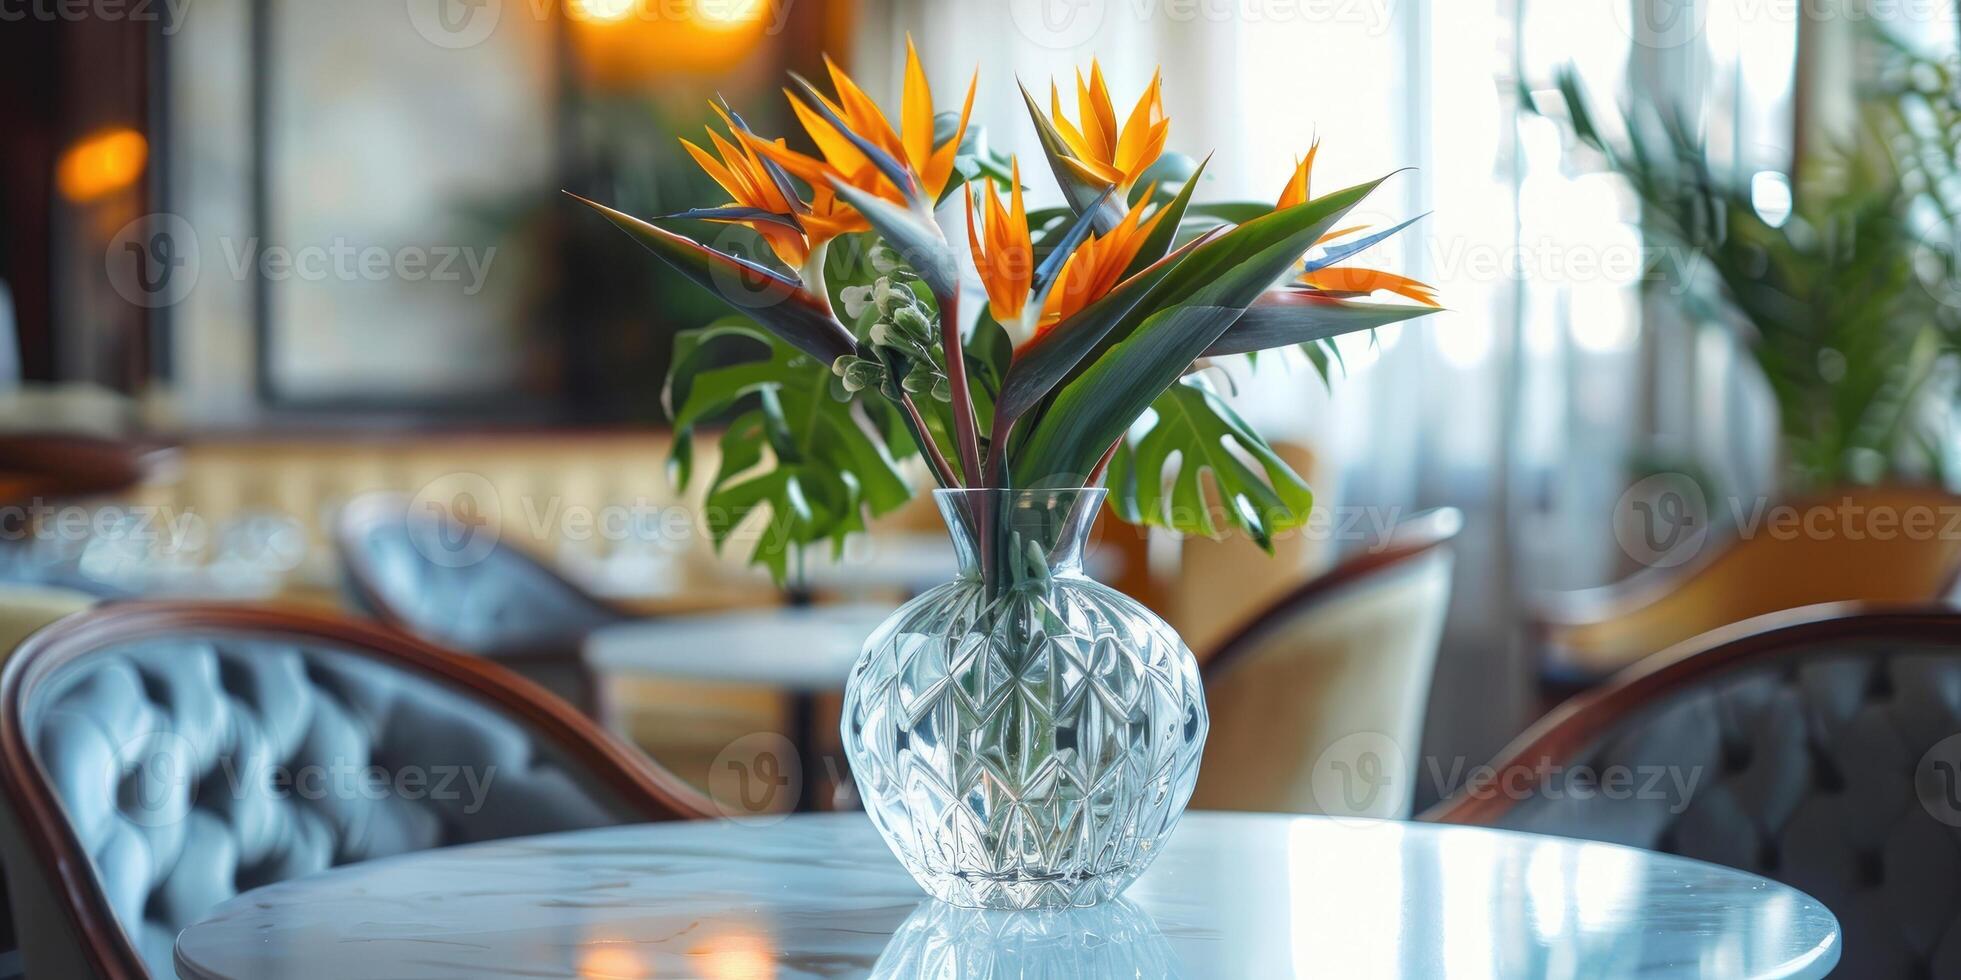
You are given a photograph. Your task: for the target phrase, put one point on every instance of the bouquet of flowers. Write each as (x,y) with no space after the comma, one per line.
(851,354)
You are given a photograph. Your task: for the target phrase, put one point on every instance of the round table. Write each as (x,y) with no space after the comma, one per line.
(1233,895)
(808,649)
(805,651)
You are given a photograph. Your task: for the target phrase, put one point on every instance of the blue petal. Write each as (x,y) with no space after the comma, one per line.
(1335,253)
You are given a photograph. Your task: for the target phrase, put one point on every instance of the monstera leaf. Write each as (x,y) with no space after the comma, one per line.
(813,464)
(1196,435)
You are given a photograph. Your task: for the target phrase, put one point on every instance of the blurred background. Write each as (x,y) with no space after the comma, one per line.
(262,258)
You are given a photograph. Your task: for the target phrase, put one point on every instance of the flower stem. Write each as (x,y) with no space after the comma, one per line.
(966,432)
(1103,465)
(942,470)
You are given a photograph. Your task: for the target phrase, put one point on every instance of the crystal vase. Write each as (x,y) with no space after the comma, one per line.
(1023,736)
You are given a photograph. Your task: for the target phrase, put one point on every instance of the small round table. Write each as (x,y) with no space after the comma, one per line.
(1233,895)
(805,651)
(809,649)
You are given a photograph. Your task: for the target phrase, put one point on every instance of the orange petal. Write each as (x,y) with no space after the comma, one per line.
(939,169)
(1339,232)
(787,243)
(713,168)
(810,170)
(1137,129)
(837,150)
(1068,131)
(1363,281)
(864,115)
(1090,170)
(1106,114)
(1153,148)
(916,112)
(1096,139)
(750,193)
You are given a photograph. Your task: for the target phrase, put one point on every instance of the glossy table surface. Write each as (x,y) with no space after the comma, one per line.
(820,896)
(805,648)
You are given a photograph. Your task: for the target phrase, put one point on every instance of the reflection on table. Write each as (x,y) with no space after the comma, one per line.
(820,896)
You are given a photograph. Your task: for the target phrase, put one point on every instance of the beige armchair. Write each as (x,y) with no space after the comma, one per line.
(1864,544)
(26,608)
(1317,705)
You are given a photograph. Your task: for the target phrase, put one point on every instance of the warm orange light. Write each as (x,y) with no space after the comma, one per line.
(611,963)
(633,43)
(102,164)
(735,956)
(603,11)
(730,15)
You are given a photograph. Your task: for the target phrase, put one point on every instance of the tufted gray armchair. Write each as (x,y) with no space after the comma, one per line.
(440,578)
(159,759)
(1820,747)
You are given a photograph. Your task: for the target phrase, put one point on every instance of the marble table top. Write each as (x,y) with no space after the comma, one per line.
(804,648)
(819,896)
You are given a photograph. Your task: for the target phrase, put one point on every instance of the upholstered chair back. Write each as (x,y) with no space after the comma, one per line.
(1317,705)
(1820,747)
(160,759)
(457,583)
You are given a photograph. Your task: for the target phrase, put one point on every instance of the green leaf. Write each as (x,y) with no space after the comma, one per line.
(780,304)
(1092,413)
(1159,244)
(812,466)
(1231,212)
(1048,358)
(1236,266)
(1196,434)
(1285,317)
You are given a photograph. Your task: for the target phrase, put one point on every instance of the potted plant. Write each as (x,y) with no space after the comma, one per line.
(1022,736)
(1845,299)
